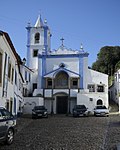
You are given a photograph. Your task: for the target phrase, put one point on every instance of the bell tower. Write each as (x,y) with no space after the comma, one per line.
(38,41)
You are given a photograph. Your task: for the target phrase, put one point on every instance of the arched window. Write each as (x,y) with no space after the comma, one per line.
(99,102)
(61,80)
(37,37)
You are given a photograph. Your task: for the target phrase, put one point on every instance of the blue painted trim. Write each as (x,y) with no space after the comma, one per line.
(28,45)
(62,69)
(45,39)
(65,56)
(43,70)
(45,27)
(52,71)
(81,72)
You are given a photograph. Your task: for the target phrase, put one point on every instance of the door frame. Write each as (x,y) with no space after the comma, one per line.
(63,102)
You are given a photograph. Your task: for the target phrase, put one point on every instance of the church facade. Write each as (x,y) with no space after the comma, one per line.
(61,77)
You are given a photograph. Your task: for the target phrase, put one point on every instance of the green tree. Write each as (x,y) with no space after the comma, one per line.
(117,66)
(107,59)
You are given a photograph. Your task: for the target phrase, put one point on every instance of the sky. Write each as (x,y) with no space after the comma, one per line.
(94,23)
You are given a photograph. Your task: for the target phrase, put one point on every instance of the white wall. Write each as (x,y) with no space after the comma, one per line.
(28,84)
(86,99)
(96,78)
(33,61)
(30,102)
(85,72)
(115,88)
(71,64)
(11,89)
(48,105)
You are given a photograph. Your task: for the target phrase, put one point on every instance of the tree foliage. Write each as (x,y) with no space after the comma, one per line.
(108,60)
(117,66)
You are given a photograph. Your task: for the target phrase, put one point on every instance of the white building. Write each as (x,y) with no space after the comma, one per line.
(11,80)
(61,77)
(58,79)
(114,90)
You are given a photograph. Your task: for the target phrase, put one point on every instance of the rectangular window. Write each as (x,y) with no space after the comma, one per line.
(11,104)
(12,75)
(74,83)
(9,70)
(49,83)
(15,77)
(91,99)
(29,77)
(91,87)
(25,92)
(20,106)
(7,105)
(26,75)
(0,68)
(35,52)
(100,88)
(34,86)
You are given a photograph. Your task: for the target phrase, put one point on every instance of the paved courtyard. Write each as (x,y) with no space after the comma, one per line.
(67,133)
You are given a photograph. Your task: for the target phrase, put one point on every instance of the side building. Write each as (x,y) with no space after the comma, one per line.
(114,89)
(11,81)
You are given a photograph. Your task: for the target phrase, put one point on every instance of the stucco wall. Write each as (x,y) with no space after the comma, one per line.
(30,102)
(96,77)
(71,64)
(90,99)
(9,87)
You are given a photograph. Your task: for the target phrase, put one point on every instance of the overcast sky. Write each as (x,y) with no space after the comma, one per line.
(94,23)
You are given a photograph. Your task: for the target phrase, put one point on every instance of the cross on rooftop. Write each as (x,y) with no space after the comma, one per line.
(62,39)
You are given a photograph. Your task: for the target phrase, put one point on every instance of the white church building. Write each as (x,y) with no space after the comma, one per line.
(61,78)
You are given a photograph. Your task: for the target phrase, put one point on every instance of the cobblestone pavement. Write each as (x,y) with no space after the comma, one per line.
(67,133)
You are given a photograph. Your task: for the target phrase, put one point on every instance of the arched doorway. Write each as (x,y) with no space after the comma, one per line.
(99,102)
